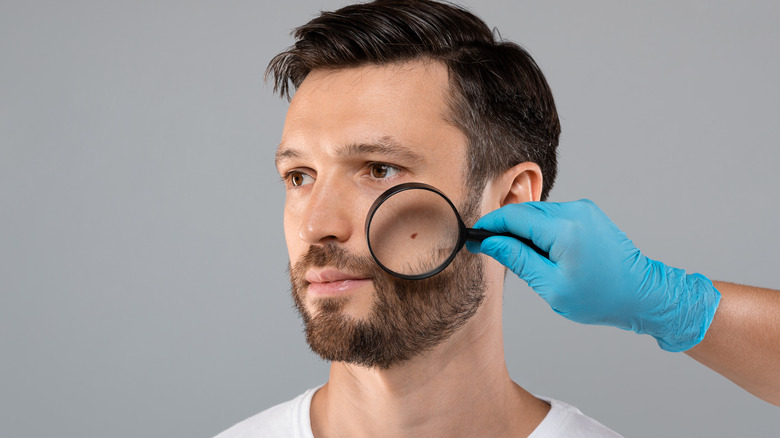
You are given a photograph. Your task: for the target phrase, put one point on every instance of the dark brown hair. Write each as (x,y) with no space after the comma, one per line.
(499,99)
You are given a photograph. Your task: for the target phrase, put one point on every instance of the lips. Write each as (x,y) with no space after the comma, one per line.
(332,282)
(330,276)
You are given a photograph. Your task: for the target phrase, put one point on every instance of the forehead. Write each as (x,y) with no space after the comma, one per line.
(407,83)
(407,101)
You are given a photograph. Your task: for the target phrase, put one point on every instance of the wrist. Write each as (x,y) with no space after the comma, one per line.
(691,302)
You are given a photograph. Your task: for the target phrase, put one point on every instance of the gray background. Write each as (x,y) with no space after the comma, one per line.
(142,265)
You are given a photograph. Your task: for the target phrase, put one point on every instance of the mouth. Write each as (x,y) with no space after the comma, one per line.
(332,282)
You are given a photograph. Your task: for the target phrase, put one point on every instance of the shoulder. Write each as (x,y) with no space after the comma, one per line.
(566,420)
(285,420)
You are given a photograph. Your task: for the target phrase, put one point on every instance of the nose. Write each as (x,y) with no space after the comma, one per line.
(329,215)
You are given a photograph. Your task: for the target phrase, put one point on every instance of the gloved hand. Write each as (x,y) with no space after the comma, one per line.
(595,274)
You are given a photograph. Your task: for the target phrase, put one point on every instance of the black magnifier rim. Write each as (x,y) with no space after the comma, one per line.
(415,186)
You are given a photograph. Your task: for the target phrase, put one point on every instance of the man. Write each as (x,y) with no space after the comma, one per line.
(387,93)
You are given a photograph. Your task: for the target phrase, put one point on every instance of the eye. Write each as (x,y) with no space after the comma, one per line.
(297,178)
(383,171)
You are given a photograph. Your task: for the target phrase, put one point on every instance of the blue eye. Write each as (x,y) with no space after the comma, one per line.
(382,171)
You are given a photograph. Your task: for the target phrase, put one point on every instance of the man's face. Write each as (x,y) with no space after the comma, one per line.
(349,135)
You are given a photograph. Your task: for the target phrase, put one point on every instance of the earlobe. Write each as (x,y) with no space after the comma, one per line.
(522,183)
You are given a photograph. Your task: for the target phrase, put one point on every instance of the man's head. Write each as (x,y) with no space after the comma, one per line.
(498,96)
(392,92)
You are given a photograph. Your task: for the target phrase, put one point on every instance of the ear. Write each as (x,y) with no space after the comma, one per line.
(521,183)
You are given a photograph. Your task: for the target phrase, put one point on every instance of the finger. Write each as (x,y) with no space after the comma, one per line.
(531,220)
(517,256)
(473,247)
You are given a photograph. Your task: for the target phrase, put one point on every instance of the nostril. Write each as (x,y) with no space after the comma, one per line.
(317,232)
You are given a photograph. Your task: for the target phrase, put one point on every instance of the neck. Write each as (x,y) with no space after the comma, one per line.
(460,388)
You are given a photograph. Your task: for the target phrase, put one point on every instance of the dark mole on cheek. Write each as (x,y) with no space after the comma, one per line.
(414,235)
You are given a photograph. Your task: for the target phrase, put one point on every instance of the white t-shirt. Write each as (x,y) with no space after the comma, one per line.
(291,420)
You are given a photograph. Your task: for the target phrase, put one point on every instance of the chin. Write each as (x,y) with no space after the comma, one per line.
(350,307)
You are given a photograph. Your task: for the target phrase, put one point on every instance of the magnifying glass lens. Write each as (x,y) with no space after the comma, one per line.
(413,232)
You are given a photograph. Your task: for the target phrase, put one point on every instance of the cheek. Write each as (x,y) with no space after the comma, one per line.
(292,225)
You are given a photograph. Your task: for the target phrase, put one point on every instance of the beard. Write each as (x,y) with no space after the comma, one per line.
(408,317)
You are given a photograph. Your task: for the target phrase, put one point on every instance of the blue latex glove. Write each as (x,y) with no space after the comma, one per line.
(595,274)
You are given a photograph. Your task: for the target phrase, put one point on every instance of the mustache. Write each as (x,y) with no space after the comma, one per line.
(333,255)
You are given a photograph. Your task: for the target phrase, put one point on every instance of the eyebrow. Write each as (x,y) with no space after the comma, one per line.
(283,152)
(385,145)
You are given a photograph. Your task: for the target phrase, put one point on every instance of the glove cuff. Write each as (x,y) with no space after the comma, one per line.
(693,302)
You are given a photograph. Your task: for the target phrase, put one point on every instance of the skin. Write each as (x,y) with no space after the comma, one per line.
(460,387)
(743,341)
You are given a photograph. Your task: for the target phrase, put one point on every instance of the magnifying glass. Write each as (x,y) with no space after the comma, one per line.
(414,231)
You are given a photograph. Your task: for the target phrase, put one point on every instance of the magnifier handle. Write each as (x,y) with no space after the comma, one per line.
(478,235)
